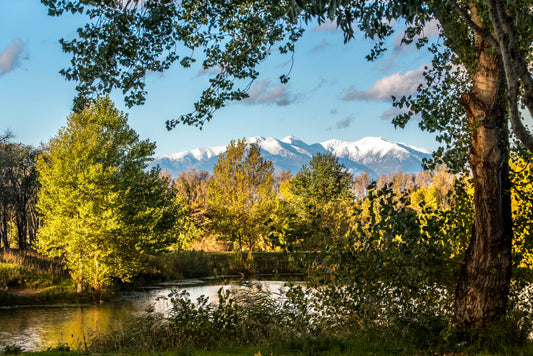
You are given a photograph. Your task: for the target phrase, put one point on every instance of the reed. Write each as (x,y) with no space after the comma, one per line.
(29,269)
(33,260)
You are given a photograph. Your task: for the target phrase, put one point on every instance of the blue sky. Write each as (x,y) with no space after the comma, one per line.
(333,92)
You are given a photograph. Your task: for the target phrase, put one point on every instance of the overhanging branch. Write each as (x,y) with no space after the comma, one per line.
(515,69)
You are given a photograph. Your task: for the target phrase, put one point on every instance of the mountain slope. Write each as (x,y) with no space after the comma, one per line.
(373,154)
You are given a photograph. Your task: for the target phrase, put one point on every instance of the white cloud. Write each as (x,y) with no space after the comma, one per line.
(262,92)
(397,84)
(10,58)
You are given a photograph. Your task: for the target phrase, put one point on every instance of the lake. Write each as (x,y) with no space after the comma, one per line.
(41,327)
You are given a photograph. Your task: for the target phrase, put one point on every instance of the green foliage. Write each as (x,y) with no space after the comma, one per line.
(12,350)
(149,36)
(192,186)
(318,202)
(59,348)
(242,197)
(101,213)
(322,180)
(395,270)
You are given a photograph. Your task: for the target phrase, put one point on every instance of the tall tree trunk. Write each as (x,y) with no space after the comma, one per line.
(22,225)
(3,232)
(483,286)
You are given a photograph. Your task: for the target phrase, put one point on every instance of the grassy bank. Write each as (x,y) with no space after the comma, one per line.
(29,269)
(29,278)
(195,264)
(378,344)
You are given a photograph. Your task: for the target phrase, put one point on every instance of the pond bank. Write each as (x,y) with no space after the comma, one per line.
(27,278)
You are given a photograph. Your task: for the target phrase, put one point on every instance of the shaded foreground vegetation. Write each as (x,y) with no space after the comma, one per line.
(387,315)
(300,322)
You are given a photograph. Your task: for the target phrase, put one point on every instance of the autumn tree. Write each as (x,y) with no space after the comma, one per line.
(479,77)
(101,212)
(435,189)
(360,185)
(242,197)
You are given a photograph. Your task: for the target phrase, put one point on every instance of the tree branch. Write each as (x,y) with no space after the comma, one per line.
(480,31)
(515,69)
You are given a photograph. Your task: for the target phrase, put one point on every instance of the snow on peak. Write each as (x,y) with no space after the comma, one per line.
(290,139)
(373,154)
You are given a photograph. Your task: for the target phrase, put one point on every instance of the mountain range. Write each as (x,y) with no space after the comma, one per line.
(373,154)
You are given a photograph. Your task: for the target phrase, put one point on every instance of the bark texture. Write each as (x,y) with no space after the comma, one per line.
(483,286)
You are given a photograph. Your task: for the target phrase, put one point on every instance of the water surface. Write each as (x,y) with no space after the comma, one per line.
(38,328)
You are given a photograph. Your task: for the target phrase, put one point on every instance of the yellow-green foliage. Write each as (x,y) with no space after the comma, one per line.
(241,197)
(522,205)
(100,212)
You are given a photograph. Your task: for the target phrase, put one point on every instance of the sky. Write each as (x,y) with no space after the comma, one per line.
(333,92)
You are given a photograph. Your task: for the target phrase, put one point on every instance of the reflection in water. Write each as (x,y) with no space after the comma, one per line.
(42,327)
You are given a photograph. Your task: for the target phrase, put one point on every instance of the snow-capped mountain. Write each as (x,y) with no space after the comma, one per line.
(373,154)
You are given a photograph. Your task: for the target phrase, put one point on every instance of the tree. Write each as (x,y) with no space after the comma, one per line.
(321,202)
(192,186)
(435,189)
(18,183)
(242,197)
(479,76)
(101,212)
(360,185)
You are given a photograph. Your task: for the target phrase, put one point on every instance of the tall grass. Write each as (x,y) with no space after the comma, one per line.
(26,268)
(308,322)
(32,260)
